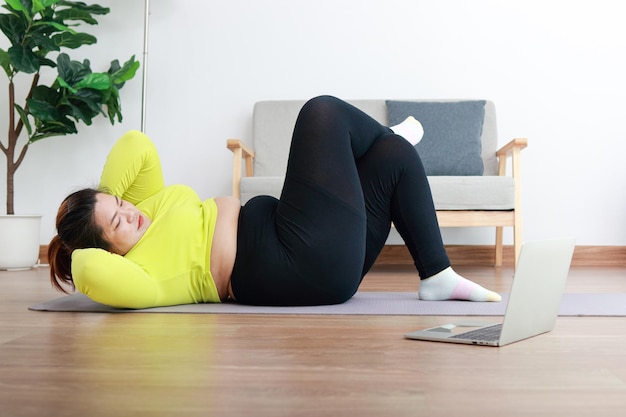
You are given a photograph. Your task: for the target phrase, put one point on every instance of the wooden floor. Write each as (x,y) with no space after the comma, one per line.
(66,364)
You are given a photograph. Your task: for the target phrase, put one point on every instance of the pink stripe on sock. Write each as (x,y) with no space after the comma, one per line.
(463,290)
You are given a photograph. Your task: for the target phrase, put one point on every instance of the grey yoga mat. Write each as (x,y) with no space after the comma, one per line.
(363,303)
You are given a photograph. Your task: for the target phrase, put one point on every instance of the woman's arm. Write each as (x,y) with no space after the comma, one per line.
(132,170)
(113,280)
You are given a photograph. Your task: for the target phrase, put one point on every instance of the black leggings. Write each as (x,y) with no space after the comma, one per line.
(348,177)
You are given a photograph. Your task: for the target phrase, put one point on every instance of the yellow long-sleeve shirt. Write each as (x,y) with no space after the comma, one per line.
(171,263)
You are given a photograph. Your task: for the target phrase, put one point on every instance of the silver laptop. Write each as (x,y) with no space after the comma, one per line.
(533,305)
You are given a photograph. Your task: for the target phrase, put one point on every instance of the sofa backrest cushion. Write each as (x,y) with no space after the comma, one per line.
(452,134)
(273,122)
(272,127)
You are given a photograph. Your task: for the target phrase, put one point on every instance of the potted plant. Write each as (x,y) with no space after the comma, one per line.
(37,29)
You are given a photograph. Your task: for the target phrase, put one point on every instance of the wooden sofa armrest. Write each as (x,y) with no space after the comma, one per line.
(507,150)
(240,151)
(511,149)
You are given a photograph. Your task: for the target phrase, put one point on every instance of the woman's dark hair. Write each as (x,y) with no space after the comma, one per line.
(77,229)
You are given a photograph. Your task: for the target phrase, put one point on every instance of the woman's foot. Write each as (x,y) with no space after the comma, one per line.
(448,285)
(410,129)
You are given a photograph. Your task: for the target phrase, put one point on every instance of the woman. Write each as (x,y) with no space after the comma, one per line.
(138,244)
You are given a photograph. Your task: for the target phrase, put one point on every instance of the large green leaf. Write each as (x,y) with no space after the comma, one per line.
(45,93)
(56,25)
(43,42)
(13,27)
(23,59)
(73,40)
(5,62)
(76,14)
(43,110)
(39,5)
(80,112)
(47,62)
(25,119)
(96,80)
(72,71)
(24,6)
(60,127)
(92,99)
(125,73)
(91,8)
(64,84)
(114,107)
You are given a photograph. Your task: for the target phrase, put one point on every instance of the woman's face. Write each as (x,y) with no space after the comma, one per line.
(122,223)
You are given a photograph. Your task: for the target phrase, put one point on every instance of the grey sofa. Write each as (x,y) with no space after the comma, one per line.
(483,196)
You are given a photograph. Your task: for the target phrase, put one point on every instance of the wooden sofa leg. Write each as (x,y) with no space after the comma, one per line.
(517,243)
(499,245)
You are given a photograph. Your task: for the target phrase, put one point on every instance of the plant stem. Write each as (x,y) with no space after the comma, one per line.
(13,136)
(10,150)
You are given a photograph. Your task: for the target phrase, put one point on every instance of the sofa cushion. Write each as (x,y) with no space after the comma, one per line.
(253,186)
(473,192)
(452,134)
(449,193)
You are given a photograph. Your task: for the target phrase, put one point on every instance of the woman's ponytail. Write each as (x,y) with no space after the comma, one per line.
(60,260)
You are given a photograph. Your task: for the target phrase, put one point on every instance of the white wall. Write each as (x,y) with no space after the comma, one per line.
(555,69)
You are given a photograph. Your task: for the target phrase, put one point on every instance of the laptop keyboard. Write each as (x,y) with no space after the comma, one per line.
(487,334)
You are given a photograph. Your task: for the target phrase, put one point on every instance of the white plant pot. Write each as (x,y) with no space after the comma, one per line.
(19,241)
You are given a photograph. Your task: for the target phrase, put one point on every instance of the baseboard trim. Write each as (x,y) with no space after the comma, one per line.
(484,255)
(481,255)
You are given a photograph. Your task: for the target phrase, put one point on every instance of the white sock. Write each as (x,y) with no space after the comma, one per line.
(410,129)
(448,285)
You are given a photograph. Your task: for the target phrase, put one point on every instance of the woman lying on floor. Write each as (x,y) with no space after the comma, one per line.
(135,243)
